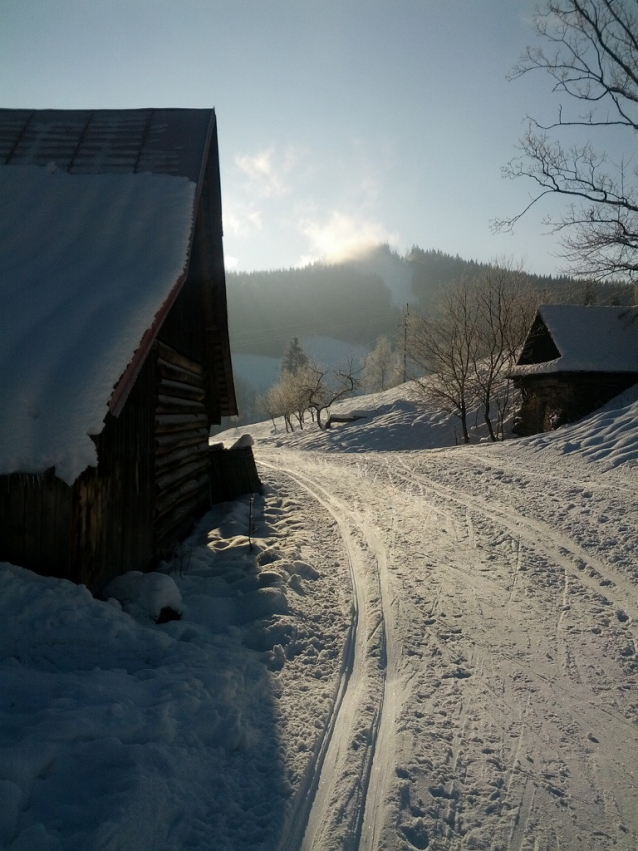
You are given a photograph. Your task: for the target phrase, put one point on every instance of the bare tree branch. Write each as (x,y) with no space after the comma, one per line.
(591,53)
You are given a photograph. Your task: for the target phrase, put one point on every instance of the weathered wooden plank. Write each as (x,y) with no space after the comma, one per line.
(181,390)
(174,524)
(57,498)
(167,353)
(168,441)
(12,540)
(174,476)
(173,372)
(32,495)
(179,454)
(180,422)
(176,405)
(191,489)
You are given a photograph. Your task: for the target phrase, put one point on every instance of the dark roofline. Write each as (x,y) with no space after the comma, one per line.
(123,387)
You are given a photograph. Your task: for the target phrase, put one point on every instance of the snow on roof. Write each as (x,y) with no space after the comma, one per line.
(86,261)
(589,339)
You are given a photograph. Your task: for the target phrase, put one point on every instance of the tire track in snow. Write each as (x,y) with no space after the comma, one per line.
(563,551)
(328,812)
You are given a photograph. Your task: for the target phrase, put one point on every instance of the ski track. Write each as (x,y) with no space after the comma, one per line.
(338,784)
(494,672)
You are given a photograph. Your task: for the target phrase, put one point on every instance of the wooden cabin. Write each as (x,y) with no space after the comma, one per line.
(574,360)
(114,357)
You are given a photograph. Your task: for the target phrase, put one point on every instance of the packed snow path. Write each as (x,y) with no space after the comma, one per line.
(490,699)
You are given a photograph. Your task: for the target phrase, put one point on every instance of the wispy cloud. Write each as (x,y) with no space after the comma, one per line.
(267,171)
(342,236)
(241,219)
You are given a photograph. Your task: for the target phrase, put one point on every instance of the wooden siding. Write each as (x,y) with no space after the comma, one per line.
(113,503)
(36,519)
(101,526)
(181,435)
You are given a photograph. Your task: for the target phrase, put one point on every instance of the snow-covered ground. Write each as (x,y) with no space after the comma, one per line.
(402,644)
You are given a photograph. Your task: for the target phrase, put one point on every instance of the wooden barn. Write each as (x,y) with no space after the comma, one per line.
(114,349)
(574,360)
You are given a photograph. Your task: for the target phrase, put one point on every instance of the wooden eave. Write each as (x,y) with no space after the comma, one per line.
(214,304)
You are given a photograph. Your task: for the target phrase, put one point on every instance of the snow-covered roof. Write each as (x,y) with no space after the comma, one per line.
(95,235)
(588,338)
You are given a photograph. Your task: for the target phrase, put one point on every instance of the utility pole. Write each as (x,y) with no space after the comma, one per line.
(405,343)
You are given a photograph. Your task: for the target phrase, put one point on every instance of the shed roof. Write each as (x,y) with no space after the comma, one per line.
(588,339)
(95,235)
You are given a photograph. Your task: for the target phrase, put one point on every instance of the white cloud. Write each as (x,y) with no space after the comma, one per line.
(343,236)
(267,170)
(241,219)
(230,262)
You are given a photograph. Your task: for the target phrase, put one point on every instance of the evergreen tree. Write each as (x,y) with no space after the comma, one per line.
(294,358)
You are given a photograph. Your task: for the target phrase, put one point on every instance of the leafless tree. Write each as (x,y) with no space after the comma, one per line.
(504,307)
(444,348)
(465,348)
(380,369)
(591,53)
(310,388)
(323,387)
(288,398)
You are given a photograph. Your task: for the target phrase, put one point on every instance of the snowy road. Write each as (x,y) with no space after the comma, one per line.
(489,699)
(387,650)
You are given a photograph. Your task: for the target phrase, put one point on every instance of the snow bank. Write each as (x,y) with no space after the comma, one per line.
(609,435)
(149,593)
(243,441)
(392,420)
(86,261)
(118,732)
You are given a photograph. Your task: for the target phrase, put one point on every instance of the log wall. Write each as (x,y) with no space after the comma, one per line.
(550,401)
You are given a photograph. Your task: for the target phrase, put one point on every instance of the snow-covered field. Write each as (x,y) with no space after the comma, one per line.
(397,646)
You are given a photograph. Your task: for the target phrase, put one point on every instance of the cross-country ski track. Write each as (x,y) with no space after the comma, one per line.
(487,689)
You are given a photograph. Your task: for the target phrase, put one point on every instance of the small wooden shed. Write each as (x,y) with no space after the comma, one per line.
(574,360)
(114,349)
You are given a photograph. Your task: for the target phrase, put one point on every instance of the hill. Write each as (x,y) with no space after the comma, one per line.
(359,300)
(348,306)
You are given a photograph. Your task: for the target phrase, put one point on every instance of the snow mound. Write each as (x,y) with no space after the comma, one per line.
(243,441)
(609,435)
(147,593)
(391,420)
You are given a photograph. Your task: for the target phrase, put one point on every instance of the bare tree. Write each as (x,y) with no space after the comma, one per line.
(380,370)
(504,307)
(591,53)
(322,388)
(467,346)
(288,398)
(444,347)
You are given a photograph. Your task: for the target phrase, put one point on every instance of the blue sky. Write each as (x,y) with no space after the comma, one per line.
(341,122)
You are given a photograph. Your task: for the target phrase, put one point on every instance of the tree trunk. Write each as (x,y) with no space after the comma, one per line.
(463,418)
(488,421)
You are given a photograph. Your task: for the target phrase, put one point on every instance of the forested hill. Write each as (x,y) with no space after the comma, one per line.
(266,309)
(360,300)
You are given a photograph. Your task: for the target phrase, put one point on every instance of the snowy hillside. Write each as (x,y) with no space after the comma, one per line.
(388,421)
(402,644)
(260,371)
